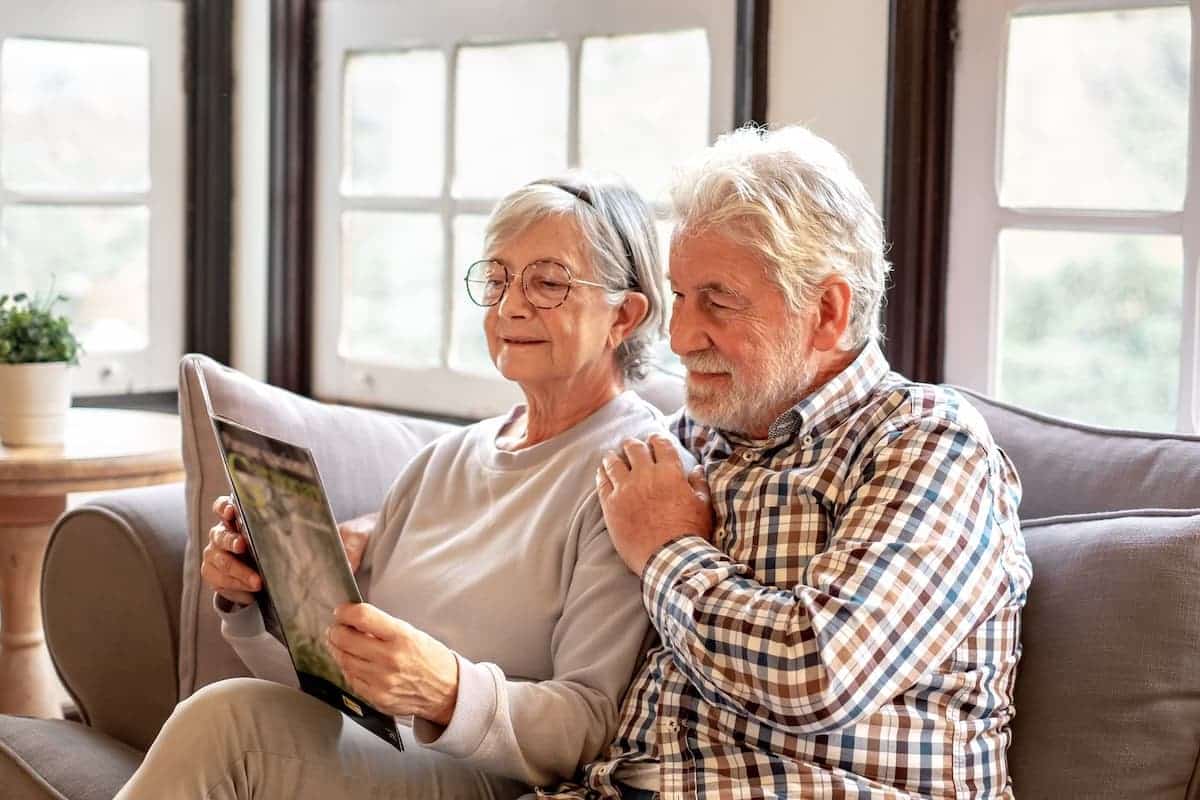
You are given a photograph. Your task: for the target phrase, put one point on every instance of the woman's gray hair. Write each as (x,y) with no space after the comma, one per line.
(618,236)
(791,196)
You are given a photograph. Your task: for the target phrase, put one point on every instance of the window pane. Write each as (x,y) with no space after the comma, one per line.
(392,297)
(664,357)
(394,123)
(656,86)
(94,256)
(75,117)
(510,117)
(1096,110)
(1091,326)
(469,350)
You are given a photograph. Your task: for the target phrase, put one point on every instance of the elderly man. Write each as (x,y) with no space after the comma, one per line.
(839,608)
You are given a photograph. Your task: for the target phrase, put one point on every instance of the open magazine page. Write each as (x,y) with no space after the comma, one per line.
(298,553)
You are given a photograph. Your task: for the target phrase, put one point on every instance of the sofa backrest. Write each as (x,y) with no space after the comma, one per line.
(1070,468)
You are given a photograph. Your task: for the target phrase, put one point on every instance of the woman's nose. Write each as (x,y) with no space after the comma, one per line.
(513,303)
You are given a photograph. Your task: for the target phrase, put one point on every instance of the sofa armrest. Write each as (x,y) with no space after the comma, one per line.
(110,600)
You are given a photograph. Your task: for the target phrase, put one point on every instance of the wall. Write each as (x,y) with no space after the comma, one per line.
(827,70)
(252,34)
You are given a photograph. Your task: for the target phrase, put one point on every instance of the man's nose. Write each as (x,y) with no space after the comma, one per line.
(687,333)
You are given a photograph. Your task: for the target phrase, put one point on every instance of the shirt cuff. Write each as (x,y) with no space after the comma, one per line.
(674,563)
(239,622)
(474,712)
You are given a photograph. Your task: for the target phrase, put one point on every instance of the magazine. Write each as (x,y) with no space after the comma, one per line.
(296,549)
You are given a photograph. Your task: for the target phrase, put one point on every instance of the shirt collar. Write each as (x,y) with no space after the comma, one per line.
(845,390)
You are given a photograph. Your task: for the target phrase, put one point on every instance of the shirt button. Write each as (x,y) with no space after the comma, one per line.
(808,440)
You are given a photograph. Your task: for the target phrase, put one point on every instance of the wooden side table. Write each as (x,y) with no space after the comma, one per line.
(104,449)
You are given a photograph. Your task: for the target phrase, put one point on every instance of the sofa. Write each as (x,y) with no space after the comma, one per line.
(1108,691)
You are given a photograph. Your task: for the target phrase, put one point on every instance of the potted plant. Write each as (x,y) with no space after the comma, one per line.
(36,349)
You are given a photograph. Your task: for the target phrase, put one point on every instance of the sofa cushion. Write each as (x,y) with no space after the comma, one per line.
(358,452)
(44,759)
(1108,690)
(1069,468)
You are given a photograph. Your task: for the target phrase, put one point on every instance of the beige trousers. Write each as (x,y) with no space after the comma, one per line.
(246,738)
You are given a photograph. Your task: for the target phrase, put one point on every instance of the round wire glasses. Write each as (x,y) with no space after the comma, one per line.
(545,283)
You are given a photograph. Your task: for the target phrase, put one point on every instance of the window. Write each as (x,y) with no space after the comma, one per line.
(429,113)
(92,179)
(1075,210)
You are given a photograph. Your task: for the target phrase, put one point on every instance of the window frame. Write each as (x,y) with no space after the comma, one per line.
(158,26)
(977,216)
(442,390)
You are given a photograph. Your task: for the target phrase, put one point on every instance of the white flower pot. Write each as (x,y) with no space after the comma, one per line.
(34,399)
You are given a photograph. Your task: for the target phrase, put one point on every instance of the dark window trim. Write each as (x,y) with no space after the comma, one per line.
(920,93)
(750,62)
(291,186)
(208,83)
(166,402)
(210,177)
(292,180)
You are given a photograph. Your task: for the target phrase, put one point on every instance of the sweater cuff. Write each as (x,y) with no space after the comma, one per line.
(242,622)
(674,562)
(474,712)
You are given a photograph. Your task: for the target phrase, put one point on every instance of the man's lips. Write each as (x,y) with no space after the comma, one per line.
(706,376)
(521,340)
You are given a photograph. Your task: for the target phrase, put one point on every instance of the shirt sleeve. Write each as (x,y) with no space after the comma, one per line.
(540,732)
(914,563)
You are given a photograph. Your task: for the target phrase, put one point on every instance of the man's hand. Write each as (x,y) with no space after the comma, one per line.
(392,665)
(649,501)
(354,533)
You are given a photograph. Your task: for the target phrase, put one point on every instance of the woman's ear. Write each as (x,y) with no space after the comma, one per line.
(630,313)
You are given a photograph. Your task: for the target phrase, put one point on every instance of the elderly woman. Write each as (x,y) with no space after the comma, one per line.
(498,616)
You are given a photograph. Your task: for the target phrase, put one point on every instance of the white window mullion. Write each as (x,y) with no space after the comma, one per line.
(449,255)
(574,54)
(1189,351)
(972,280)
(1084,221)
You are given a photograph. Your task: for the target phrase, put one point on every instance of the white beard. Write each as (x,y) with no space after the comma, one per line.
(750,403)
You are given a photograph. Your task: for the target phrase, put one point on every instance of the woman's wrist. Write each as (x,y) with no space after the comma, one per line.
(444,691)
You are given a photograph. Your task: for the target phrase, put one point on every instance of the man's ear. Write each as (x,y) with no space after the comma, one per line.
(630,313)
(832,313)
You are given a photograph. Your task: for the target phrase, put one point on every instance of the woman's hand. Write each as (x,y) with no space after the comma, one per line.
(354,533)
(392,665)
(221,569)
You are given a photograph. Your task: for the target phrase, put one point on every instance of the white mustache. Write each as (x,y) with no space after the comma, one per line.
(707,361)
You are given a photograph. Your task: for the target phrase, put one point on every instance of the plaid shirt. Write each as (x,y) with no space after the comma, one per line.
(854,630)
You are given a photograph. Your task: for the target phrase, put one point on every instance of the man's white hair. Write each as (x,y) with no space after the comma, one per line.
(791,196)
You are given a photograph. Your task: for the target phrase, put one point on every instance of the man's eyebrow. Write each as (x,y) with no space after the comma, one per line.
(710,286)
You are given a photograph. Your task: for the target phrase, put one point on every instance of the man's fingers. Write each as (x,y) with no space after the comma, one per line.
(699,482)
(614,467)
(664,451)
(637,454)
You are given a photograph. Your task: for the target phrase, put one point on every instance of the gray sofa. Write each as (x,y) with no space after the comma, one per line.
(1108,693)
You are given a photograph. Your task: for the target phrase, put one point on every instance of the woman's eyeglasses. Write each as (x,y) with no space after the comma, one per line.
(546,283)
